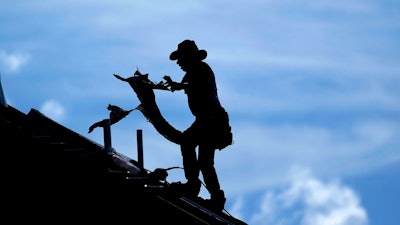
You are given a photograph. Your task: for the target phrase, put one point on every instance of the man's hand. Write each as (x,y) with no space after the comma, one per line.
(172,85)
(168,79)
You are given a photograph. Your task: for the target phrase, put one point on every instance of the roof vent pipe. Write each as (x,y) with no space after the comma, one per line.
(107,135)
(139,137)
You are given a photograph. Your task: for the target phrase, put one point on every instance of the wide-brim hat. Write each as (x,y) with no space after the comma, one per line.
(188,49)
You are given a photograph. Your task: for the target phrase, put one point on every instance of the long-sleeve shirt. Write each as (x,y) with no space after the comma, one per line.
(201,89)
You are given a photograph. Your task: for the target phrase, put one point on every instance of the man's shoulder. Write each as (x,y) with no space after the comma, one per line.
(205,67)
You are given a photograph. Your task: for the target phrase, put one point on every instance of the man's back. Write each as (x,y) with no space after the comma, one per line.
(201,89)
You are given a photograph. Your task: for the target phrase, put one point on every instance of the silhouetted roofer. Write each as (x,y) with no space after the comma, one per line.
(209,131)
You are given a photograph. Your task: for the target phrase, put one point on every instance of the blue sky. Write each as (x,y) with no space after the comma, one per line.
(311,87)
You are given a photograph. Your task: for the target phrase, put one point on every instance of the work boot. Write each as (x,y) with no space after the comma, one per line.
(190,189)
(217,201)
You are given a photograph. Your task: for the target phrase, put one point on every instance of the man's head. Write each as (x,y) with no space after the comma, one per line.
(187,49)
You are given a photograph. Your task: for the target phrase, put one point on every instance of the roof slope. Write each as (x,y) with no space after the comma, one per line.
(51,173)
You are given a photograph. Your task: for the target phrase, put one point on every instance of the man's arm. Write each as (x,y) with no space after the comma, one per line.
(173,86)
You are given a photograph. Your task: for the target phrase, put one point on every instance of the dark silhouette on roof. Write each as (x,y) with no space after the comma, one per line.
(52,174)
(143,87)
(116,114)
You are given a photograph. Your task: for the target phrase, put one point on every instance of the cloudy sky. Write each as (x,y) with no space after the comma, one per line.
(311,87)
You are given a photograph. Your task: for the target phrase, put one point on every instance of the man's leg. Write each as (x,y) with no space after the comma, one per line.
(206,163)
(191,170)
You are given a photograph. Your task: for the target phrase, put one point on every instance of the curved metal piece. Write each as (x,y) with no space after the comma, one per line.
(143,88)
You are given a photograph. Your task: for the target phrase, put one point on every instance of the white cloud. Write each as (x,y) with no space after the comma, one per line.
(12,62)
(53,110)
(237,208)
(310,201)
